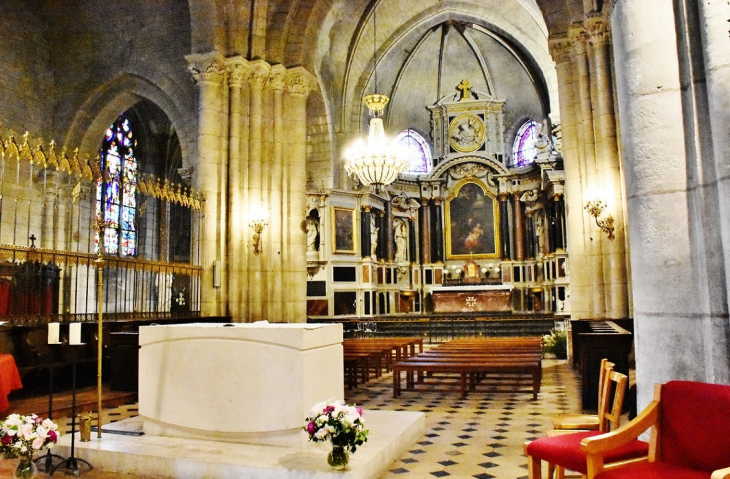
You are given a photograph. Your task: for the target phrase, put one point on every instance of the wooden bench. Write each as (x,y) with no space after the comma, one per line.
(472,361)
(375,354)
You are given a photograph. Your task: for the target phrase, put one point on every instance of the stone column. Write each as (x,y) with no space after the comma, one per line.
(552,227)
(608,169)
(298,84)
(593,238)
(530,235)
(389,238)
(559,222)
(504,225)
(208,71)
(275,293)
(712,25)
(437,251)
(259,75)
(425,231)
(681,325)
(237,69)
(412,256)
(365,245)
(382,232)
(581,290)
(519,228)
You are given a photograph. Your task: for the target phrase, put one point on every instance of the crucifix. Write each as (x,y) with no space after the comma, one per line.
(464,88)
(32,240)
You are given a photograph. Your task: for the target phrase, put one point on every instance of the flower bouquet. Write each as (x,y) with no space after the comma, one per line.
(21,436)
(556,343)
(340,424)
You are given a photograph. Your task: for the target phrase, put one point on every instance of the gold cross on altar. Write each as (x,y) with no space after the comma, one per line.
(464,88)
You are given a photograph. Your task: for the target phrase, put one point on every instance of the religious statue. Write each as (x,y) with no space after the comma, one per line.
(312,234)
(401,241)
(544,137)
(373,238)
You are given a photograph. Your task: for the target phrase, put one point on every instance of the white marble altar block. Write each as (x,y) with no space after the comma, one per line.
(249,383)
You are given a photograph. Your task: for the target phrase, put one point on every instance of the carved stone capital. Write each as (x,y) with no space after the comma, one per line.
(186,174)
(299,81)
(81,191)
(276,78)
(560,49)
(238,71)
(596,29)
(578,38)
(206,67)
(260,71)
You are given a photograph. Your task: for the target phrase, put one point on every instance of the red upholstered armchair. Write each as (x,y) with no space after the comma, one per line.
(690,436)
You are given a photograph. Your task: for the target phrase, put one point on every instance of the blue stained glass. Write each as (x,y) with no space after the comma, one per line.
(128,218)
(524,149)
(116,201)
(111,241)
(419,154)
(112,192)
(129,241)
(112,215)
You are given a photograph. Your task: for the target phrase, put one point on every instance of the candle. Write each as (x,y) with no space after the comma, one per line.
(74,333)
(53,329)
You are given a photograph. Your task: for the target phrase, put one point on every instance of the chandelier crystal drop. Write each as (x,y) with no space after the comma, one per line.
(378,160)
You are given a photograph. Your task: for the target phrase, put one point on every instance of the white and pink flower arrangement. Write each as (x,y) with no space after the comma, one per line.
(338,423)
(24,435)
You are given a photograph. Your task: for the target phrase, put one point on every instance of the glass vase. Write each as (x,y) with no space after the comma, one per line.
(338,458)
(26,468)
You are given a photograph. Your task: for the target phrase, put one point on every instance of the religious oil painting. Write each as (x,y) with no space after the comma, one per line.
(471,223)
(344,230)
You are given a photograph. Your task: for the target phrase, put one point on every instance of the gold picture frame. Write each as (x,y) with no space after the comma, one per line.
(472,222)
(466,133)
(343,230)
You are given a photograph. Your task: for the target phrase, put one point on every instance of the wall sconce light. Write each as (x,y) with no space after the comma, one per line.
(258,223)
(595,208)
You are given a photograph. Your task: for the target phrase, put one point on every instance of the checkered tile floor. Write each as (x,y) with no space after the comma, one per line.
(481,437)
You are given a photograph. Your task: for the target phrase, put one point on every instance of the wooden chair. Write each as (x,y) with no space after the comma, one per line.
(690,436)
(586,422)
(563,451)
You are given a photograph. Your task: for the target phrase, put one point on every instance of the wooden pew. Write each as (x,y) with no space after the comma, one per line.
(471,360)
(374,354)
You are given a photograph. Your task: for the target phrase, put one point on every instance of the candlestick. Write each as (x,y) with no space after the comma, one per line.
(74,333)
(53,330)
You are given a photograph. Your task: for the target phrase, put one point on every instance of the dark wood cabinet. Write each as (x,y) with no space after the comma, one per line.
(594,340)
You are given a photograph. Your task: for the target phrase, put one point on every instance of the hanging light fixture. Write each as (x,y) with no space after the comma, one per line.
(377,160)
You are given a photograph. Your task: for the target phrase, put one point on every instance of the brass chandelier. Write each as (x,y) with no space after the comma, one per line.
(377,160)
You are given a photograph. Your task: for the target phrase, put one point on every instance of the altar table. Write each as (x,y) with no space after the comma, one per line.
(248,383)
(472,299)
(9,379)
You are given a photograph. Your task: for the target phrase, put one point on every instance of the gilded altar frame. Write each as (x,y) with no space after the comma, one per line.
(343,230)
(472,227)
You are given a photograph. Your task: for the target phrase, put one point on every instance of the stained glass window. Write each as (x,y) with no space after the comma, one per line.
(115,198)
(524,150)
(419,154)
